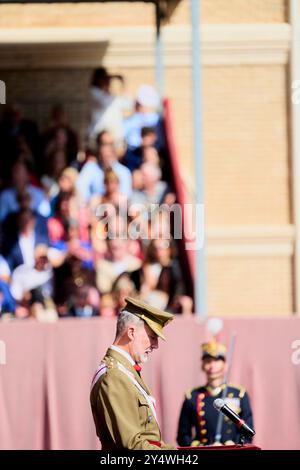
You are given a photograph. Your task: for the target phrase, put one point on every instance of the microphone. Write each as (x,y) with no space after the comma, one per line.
(221,406)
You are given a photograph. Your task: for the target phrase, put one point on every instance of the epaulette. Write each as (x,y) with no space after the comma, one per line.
(241,390)
(188,394)
(104,367)
(110,363)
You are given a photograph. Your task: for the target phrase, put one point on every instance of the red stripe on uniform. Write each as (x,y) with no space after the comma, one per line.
(155,443)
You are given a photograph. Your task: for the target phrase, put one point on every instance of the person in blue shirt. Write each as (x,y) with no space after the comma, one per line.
(146,115)
(91,178)
(20,184)
(7,302)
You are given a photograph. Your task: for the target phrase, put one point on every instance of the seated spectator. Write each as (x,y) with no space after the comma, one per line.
(67,279)
(150,155)
(56,153)
(159,226)
(68,227)
(157,298)
(108,160)
(112,196)
(81,249)
(90,180)
(160,272)
(112,193)
(67,186)
(109,224)
(55,163)
(59,131)
(13,127)
(21,248)
(43,311)
(98,235)
(20,184)
(94,298)
(67,181)
(58,224)
(108,309)
(123,287)
(24,153)
(50,179)
(134,156)
(34,283)
(22,310)
(10,226)
(81,306)
(7,302)
(137,180)
(154,191)
(117,261)
(91,177)
(145,115)
(182,304)
(156,226)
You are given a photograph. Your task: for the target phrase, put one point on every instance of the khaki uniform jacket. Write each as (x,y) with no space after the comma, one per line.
(122,415)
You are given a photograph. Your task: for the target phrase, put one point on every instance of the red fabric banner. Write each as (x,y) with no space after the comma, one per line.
(45,383)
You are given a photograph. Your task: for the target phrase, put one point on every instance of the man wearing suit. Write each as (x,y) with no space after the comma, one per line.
(198,418)
(31,232)
(122,406)
(20,185)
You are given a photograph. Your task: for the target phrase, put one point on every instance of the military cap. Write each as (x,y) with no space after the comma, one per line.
(155,318)
(213,349)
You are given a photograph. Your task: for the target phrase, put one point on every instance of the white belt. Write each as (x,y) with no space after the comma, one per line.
(150,400)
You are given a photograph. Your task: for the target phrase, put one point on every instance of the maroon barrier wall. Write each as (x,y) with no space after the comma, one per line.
(187,257)
(44,386)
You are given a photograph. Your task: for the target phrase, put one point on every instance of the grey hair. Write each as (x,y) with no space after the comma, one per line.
(124,319)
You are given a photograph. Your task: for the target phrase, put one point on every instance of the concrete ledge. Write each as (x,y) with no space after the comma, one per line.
(230,44)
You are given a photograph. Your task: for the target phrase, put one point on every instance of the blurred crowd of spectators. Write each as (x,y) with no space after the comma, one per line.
(73,239)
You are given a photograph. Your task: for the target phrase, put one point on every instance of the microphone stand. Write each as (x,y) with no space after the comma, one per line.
(218,434)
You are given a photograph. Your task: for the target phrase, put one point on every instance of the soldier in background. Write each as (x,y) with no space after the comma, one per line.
(198,418)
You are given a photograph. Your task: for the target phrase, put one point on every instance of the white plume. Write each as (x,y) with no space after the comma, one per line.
(214,325)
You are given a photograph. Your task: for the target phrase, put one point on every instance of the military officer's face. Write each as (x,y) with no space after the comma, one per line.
(213,368)
(144,340)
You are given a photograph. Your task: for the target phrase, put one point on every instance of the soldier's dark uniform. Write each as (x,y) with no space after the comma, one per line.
(198,418)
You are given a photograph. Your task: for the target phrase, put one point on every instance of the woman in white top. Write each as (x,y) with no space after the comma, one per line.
(106,109)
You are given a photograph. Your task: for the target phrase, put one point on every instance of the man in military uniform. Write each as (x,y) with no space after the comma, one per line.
(123,408)
(198,417)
